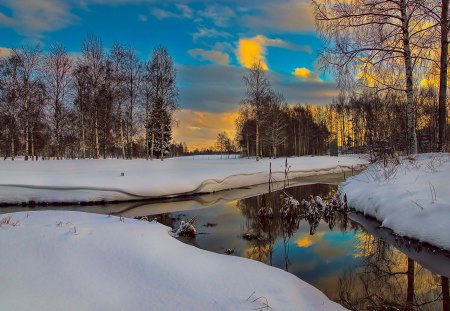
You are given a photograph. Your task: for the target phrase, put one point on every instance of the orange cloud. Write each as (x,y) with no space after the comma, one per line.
(254,50)
(5,52)
(199,129)
(306,75)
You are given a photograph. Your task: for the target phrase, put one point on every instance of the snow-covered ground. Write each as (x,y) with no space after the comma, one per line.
(79,261)
(98,180)
(412,198)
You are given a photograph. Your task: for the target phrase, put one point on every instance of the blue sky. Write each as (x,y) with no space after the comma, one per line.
(212,43)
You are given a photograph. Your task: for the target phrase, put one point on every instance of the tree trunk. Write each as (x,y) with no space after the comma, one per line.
(152,146)
(443,77)
(12,148)
(257,141)
(162,141)
(83,138)
(97,148)
(410,107)
(122,139)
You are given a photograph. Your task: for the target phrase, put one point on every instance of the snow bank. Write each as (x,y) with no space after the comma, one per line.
(79,261)
(411,198)
(101,180)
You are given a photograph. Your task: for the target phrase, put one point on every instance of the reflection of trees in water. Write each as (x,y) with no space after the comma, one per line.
(266,230)
(388,280)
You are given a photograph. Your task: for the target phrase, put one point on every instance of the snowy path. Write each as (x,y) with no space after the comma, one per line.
(101,180)
(412,198)
(55,260)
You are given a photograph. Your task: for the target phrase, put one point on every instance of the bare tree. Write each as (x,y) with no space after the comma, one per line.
(276,120)
(375,36)
(116,57)
(28,77)
(258,89)
(92,60)
(58,76)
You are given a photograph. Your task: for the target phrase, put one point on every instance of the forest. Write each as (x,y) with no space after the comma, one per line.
(97,105)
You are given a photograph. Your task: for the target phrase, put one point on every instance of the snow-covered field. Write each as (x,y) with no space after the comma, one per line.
(98,180)
(78,261)
(412,198)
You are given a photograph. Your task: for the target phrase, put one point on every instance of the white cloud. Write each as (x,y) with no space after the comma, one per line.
(203,32)
(218,14)
(182,11)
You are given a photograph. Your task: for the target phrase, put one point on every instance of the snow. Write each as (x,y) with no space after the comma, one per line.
(101,180)
(61,260)
(411,198)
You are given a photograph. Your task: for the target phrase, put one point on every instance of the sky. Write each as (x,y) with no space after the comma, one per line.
(213,43)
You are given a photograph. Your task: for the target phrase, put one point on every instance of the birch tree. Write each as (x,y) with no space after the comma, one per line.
(258,90)
(375,37)
(58,77)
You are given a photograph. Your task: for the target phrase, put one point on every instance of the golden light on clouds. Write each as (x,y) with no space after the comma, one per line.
(199,129)
(251,51)
(306,75)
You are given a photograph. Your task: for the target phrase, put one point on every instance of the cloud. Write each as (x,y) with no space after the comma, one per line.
(200,129)
(306,75)
(143,18)
(32,18)
(291,16)
(182,11)
(202,88)
(203,32)
(216,57)
(254,50)
(220,15)
(5,52)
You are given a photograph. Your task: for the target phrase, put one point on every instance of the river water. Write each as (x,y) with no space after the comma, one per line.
(347,256)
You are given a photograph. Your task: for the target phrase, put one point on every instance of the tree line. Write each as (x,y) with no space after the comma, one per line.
(390,59)
(99,104)
(268,127)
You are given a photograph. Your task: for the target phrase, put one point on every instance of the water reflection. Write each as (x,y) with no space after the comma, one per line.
(362,267)
(355,267)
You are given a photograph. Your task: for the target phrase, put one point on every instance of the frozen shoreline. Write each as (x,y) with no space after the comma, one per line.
(411,198)
(59,260)
(74,181)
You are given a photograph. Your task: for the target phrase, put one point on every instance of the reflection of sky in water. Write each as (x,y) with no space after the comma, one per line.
(323,259)
(314,258)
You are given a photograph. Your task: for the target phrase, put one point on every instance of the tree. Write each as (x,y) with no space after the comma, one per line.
(276,120)
(375,37)
(58,77)
(92,63)
(224,143)
(437,10)
(132,79)
(258,90)
(160,80)
(28,83)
